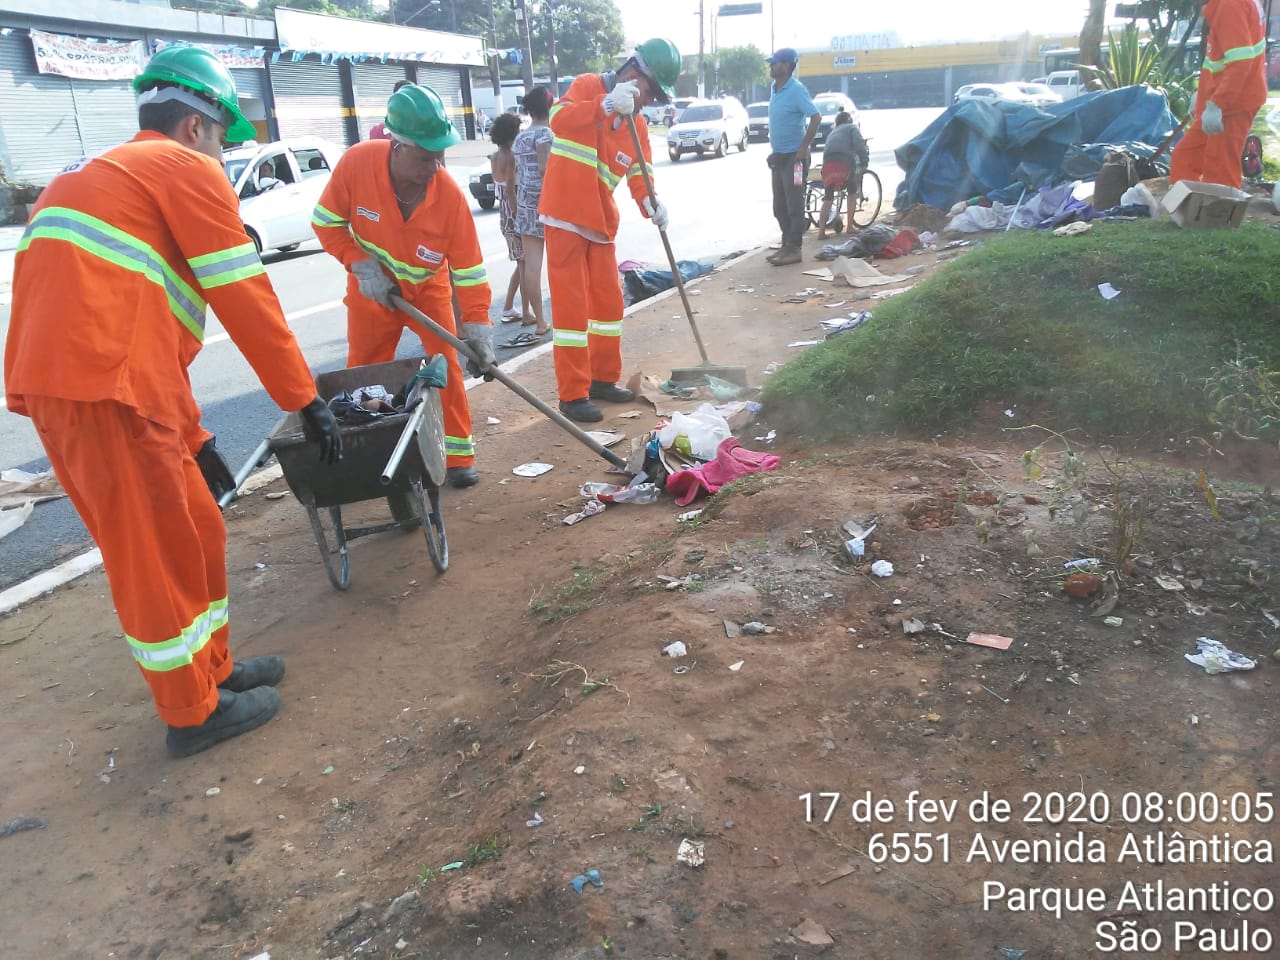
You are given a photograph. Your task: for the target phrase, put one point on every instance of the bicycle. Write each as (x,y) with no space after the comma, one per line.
(870,195)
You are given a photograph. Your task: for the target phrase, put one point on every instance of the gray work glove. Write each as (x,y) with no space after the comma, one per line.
(374,282)
(621,99)
(479,337)
(1211,119)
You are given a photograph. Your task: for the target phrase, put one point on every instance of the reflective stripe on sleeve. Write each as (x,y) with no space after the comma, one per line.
(320,217)
(468,276)
(227,266)
(1235,55)
(397,268)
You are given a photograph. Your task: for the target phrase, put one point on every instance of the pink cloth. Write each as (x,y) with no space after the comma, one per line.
(732,462)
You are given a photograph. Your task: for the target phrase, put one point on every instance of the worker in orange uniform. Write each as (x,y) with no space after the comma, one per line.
(1233,88)
(593,150)
(400,224)
(110,285)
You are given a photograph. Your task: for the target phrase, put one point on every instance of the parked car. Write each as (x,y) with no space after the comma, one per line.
(829,104)
(481,187)
(708,126)
(1065,83)
(758,121)
(993,92)
(1040,94)
(278,185)
(655,112)
(676,107)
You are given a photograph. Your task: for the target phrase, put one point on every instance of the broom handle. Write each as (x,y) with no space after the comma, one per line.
(666,244)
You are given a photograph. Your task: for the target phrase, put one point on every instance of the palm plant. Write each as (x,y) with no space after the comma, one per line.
(1131,62)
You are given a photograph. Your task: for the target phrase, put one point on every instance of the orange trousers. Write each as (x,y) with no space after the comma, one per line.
(137,488)
(373,332)
(1213,159)
(586,307)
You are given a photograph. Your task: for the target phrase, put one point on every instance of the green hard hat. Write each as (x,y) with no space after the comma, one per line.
(417,113)
(200,71)
(660,59)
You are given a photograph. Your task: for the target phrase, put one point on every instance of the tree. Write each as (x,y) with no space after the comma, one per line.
(230,7)
(1091,33)
(588,35)
(740,69)
(1167,15)
(356,9)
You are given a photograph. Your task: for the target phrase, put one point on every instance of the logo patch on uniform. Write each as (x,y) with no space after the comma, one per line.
(429,256)
(371,214)
(622,159)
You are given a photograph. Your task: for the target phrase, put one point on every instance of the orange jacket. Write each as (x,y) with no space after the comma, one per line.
(589,157)
(1234,74)
(111,279)
(357,218)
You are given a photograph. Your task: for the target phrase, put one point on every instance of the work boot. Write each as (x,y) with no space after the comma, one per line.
(235,714)
(461,477)
(773,257)
(583,410)
(610,392)
(254,672)
(787,255)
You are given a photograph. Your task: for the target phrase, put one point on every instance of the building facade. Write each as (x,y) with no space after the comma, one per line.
(66,69)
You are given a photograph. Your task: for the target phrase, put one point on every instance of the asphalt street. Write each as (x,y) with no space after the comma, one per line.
(718,206)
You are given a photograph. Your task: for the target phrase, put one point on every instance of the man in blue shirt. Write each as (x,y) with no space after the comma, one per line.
(789,139)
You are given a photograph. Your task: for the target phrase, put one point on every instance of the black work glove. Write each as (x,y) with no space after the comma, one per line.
(215,470)
(319,426)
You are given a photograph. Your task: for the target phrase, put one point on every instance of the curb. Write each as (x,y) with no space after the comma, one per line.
(47,581)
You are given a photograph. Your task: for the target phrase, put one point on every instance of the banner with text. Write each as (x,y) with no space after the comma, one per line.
(86,59)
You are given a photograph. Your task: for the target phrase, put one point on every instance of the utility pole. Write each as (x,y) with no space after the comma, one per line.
(492,56)
(551,48)
(702,60)
(522,17)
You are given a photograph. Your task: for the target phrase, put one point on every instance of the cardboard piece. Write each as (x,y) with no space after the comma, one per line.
(992,640)
(1199,206)
(859,273)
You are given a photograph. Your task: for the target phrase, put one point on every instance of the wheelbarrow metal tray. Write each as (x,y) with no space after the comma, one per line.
(366,447)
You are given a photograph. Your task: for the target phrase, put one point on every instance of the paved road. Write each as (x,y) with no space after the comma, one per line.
(717,207)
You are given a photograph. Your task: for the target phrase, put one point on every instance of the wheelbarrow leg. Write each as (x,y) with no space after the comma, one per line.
(340,578)
(432,524)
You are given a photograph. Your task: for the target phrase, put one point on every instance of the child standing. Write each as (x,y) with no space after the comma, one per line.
(503,165)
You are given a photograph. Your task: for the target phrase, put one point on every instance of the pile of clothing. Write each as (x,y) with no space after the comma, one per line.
(376,402)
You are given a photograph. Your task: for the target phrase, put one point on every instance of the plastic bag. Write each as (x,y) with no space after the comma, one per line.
(696,434)
(1139,194)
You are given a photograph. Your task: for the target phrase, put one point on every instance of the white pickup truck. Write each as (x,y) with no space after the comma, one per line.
(1065,83)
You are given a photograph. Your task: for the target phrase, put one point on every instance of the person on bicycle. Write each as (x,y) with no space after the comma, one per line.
(843,162)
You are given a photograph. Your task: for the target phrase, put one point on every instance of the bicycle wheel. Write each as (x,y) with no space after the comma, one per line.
(864,209)
(812,202)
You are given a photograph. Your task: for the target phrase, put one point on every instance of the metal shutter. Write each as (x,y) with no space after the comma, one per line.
(39,134)
(107,111)
(447,82)
(373,88)
(250,81)
(308,99)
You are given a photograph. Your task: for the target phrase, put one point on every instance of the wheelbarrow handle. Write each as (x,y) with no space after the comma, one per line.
(514,386)
(259,455)
(407,434)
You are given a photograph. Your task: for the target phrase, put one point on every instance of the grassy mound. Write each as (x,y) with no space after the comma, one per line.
(1020,321)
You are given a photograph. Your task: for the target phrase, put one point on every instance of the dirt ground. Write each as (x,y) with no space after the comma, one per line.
(427,719)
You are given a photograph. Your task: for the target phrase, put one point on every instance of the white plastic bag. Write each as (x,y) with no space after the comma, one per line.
(1139,193)
(696,434)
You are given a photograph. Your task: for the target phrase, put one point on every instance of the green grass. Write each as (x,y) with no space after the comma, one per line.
(1020,321)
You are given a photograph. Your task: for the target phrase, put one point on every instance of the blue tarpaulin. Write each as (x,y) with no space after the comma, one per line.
(982,148)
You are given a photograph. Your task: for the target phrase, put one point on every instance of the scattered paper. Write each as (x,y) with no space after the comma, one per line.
(492,421)
(992,640)
(804,343)
(882,568)
(859,273)
(735,667)
(1215,657)
(691,853)
(19,487)
(1108,291)
(812,933)
(1170,584)
(589,509)
(11,520)
(631,415)
(536,821)
(675,648)
(531,469)
(607,438)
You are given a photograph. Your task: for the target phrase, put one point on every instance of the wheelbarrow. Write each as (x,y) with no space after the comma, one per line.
(411,485)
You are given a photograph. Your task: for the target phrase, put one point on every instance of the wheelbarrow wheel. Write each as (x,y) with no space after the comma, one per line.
(433,524)
(340,577)
(402,511)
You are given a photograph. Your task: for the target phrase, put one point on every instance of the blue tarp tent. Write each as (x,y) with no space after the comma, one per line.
(977,147)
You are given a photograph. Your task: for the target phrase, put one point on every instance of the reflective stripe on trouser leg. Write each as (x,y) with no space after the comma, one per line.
(437,304)
(568,279)
(604,324)
(145,503)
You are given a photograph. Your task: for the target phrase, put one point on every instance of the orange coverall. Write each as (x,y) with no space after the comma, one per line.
(357,218)
(109,291)
(588,159)
(1234,77)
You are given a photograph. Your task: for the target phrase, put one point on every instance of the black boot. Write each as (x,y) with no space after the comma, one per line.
(461,477)
(254,672)
(236,713)
(583,410)
(610,392)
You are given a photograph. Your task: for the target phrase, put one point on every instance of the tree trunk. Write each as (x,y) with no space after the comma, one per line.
(1091,33)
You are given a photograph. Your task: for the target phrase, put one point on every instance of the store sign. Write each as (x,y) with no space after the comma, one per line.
(86,59)
(342,38)
(233,58)
(867,41)
(844,62)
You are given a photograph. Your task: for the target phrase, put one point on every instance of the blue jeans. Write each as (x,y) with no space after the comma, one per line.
(788,197)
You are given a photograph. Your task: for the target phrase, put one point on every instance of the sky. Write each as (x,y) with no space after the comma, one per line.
(813,23)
